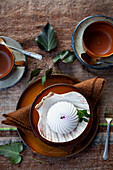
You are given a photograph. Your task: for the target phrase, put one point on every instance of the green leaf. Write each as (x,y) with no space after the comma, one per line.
(43,79)
(47,38)
(56,58)
(34,73)
(82,114)
(12,152)
(47,73)
(85,120)
(70,59)
(65,56)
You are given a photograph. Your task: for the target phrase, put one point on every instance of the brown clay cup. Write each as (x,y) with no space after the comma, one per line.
(98,39)
(7,62)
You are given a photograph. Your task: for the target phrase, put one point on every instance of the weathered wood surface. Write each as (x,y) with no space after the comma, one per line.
(23,21)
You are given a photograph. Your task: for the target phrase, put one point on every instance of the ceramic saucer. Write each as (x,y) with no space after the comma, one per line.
(77,40)
(19,71)
(37,145)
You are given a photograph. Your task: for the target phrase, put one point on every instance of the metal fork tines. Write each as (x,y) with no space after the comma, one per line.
(108,117)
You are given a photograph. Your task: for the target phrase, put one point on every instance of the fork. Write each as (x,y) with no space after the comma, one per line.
(108,117)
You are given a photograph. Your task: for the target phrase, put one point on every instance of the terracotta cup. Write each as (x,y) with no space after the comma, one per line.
(98,39)
(7,62)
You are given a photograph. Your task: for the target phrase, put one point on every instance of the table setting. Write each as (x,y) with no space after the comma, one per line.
(56,88)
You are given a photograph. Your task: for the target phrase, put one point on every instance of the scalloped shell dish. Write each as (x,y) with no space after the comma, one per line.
(58,119)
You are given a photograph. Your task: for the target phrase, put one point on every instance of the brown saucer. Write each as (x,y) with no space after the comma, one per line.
(34,117)
(35,143)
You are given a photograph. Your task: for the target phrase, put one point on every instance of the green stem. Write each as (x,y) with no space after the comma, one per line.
(55,72)
(35,159)
(58,68)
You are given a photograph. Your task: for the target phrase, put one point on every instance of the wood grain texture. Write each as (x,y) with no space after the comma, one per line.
(23,21)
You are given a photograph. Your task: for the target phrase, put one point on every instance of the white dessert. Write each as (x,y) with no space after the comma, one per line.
(62,117)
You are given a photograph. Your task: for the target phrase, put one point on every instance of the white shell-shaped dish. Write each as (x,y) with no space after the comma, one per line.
(47,102)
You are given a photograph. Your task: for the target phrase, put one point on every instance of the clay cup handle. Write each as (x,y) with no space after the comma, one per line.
(19,63)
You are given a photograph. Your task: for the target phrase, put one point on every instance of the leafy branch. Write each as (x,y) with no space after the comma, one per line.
(13,152)
(36,72)
(65,56)
(46,40)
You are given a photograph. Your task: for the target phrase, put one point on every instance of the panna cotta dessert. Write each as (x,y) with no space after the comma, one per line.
(58,118)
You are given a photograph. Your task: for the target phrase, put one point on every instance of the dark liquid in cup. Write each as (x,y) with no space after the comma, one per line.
(5,63)
(99,42)
(98,39)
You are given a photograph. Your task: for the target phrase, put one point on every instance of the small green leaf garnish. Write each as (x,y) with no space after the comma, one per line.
(12,152)
(65,57)
(47,38)
(82,114)
(47,73)
(34,73)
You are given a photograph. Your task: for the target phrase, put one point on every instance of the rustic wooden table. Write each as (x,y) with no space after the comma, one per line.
(23,21)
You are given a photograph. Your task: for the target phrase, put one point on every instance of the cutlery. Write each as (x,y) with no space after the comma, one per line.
(36,56)
(92,61)
(108,117)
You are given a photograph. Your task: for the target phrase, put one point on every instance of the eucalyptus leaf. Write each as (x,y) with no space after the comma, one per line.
(65,56)
(47,73)
(47,38)
(34,73)
(12,152)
